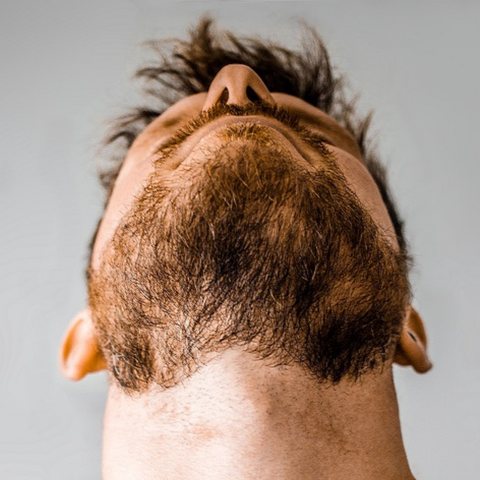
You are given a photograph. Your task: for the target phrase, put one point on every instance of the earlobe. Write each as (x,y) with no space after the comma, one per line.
(412,345)
(80,353)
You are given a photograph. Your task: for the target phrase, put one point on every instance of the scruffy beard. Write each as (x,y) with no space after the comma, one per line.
(249,249)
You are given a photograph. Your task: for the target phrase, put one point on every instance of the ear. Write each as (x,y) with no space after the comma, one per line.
(412,345)
(80,353)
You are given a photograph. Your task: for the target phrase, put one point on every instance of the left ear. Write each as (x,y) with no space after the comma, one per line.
(80,353)
(412,345)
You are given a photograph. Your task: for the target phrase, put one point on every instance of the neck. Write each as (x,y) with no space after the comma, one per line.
(237,418)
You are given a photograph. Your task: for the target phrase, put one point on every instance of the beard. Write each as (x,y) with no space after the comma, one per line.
(247,248)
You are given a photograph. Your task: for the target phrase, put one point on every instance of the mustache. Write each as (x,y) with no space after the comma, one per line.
(259,107)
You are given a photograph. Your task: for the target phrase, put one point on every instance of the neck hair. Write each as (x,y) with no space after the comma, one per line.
(246,248)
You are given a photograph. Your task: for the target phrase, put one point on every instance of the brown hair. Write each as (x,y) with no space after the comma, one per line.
(186,67)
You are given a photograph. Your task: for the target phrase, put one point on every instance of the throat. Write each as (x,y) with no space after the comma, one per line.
(237,418)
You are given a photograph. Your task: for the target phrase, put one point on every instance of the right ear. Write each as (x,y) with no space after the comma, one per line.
(412,345)
(80,352)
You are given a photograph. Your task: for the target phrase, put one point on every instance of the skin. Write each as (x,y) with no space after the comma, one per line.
(138,164)
(237,418)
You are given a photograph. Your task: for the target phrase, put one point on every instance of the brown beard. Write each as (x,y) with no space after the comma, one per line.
(181,68)
(248,249)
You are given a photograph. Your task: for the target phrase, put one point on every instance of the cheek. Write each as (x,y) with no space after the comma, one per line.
(129,184)
(136,167)
(364,187)
(165,125)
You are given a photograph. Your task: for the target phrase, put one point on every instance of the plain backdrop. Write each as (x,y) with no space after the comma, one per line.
(66,65)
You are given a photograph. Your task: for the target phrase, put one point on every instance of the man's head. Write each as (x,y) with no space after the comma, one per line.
(249,213)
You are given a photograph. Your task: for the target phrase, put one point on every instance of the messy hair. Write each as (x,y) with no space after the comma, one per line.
(187,67)
(297,272)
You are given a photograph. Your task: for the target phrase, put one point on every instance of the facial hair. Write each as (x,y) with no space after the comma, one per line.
(247,248)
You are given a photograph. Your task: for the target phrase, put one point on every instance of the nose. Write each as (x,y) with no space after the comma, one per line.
(237,84)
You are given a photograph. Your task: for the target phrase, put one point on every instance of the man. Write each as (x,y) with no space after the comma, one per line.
(248,282)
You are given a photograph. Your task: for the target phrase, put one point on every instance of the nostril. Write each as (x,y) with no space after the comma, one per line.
(237,84)
(252,95)
(224,96)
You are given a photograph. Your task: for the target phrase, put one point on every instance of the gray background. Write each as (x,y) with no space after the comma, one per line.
(65,66)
